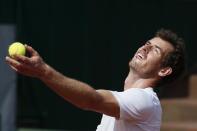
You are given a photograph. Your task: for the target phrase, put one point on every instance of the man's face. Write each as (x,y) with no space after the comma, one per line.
(148,58)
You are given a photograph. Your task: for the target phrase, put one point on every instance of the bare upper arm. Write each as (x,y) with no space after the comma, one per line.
(107,104)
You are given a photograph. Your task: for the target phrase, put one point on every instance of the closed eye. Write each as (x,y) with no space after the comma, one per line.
(148,43)
(158,49)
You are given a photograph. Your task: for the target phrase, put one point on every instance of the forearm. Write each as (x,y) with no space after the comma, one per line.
(78,93)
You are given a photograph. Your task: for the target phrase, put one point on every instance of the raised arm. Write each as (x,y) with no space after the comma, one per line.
(76,92)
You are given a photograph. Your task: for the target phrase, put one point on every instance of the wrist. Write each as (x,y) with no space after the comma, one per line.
(45,73)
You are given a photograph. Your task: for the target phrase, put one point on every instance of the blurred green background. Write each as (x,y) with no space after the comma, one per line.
(92,41)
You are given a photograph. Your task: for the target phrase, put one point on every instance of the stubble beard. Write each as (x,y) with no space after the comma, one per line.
(133,65)
(137,68)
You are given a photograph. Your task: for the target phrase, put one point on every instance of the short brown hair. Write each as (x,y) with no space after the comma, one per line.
(176,58)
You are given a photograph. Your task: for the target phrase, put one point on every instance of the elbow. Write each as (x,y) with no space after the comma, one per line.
(90,105)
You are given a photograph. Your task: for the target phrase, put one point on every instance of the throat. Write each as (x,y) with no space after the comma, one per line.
(134,81)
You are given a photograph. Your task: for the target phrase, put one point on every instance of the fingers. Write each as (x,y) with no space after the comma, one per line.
(17,66)
(22,59)
(14,68)
(13,63)
(31,50)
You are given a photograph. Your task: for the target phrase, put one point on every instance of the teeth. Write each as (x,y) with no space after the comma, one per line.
(140,55)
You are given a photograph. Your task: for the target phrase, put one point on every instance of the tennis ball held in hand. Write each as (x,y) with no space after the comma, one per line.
(16,48)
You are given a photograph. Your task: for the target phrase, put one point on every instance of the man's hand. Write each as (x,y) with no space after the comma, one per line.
(32,66)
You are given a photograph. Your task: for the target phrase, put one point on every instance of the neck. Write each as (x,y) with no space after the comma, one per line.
(133,80)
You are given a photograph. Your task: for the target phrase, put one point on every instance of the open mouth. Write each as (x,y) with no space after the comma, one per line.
(140,55)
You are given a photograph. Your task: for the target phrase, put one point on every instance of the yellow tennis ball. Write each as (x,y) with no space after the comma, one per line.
(16,48)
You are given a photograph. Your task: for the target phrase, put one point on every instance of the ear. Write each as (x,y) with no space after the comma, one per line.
(165,71)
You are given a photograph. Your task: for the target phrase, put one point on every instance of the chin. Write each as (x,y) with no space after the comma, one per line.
(134,64)
(131,62)
(134,67)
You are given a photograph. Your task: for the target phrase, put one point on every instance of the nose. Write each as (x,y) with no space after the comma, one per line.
(146,48)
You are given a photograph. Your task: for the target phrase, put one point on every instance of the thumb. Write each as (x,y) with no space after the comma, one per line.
(30,50)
